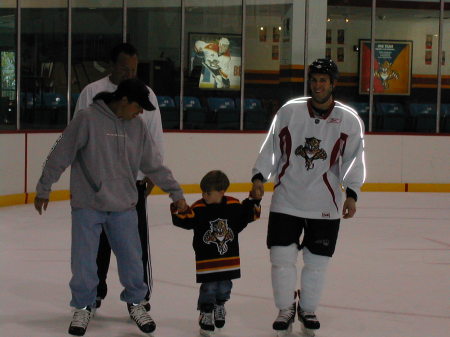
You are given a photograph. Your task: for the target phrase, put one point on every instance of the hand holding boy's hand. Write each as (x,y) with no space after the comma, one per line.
(255,195)
(181,205)
(257,190)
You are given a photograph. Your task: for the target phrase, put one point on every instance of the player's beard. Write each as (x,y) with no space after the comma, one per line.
(323,100)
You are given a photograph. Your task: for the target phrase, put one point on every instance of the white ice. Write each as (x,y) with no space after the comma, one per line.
(390,276)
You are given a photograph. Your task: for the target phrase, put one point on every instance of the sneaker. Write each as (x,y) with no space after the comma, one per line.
(308,319)
(219,315)
(146,305)
(80,321)
(139,314)
(285,318)
(205,320)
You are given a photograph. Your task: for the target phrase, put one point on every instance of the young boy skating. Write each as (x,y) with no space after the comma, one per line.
(217,220)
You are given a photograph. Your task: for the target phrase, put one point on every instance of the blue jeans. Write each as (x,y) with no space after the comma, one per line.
(122,232)
(213,293)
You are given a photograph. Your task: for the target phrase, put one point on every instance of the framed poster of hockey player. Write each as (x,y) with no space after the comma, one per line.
(392,69)
(217,59)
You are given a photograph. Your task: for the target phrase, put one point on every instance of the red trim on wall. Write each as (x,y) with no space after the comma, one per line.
(26,169)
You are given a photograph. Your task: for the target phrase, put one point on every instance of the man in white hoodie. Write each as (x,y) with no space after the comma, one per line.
(107,146)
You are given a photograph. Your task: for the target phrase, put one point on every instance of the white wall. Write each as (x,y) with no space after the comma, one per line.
(390,159)
(12,163)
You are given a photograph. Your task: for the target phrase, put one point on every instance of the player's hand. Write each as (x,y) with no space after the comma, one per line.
(181,205)
(150,185)
(257,190)
(349,208)
(39,203)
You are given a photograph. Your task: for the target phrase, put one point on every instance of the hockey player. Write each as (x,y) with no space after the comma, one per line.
(216,59)
(314,148)
(216,220)
(124,60)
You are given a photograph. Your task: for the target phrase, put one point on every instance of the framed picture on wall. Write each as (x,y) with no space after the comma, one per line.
(341,36)
(275,34)
(262,34)
(392,68)
(429,41)
(275,52)
(216,59)
(340,54)
(428,57)
(328,36)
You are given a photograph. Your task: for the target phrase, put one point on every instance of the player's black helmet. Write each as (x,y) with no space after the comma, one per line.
(324,66)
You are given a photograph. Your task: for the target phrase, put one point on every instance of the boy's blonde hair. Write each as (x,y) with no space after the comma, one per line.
(214,181)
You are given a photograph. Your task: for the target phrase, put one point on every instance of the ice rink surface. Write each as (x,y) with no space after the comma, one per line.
(389,277)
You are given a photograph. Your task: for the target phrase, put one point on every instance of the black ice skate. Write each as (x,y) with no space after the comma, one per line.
(143,320)
(309,322)
(206,320)
(283,323)
(219,315)
(80,321)
(98,302)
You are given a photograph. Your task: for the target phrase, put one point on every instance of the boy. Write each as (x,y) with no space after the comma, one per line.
(217,221)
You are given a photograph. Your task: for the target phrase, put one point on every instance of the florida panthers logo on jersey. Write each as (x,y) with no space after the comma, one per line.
(311,151)
(219,233)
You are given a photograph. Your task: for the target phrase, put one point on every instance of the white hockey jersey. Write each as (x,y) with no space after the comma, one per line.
(312,159)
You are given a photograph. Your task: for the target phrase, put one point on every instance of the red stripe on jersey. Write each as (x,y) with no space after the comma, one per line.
(325,179)
(340,143)
(218,264)
(285,147)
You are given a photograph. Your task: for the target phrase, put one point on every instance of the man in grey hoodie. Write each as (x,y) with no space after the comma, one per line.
(106,146)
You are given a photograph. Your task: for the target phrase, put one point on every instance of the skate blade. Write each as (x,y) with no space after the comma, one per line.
(283,333)
(206,333)
(308,332)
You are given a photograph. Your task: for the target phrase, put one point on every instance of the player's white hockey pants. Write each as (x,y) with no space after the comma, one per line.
(284,276)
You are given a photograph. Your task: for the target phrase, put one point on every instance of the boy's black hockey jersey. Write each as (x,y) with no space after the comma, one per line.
(216,229)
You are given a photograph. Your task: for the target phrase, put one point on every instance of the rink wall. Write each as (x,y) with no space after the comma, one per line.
(395,163)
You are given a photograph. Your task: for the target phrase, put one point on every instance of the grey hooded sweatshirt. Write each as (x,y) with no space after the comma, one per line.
(106,154)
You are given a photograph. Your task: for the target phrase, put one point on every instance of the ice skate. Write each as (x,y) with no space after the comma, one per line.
(283,323)
(309,322)
(80,321)
(143,320)
(98,302)
(205,320)
(219,315)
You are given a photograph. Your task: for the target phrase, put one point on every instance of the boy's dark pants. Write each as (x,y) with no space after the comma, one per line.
(211,293)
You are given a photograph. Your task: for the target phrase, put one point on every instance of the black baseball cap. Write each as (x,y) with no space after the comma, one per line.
(136,91)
